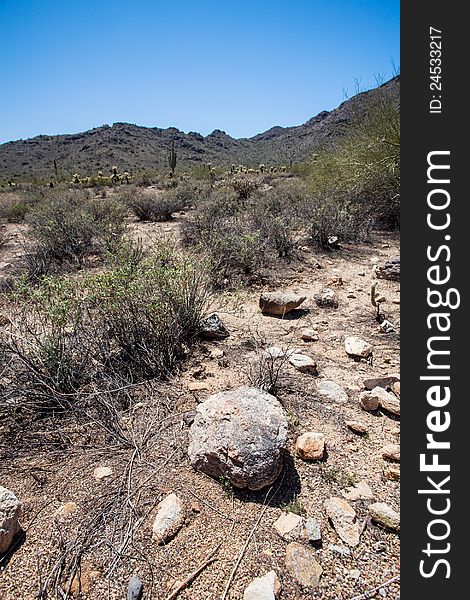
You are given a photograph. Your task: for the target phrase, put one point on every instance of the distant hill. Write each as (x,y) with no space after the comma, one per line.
(133,148)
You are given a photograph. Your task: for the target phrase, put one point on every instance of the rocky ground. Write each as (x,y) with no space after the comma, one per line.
(318,531)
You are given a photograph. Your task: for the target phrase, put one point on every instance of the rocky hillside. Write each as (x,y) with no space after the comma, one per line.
(134,148)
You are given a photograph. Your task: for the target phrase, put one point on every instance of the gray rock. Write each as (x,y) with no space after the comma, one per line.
(267,587)
(279,303)
(326,298)
(135,589)
(313,529)
(389,270)
(240,434)
(343,517)
(294,528)
(302,565)
(383,382)
(10,513)
(341,550)
(169,519)
(385,515)
(212,328)
(357,347)
(303,363)
(332,391)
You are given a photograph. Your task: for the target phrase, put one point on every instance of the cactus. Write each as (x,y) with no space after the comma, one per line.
(172,158)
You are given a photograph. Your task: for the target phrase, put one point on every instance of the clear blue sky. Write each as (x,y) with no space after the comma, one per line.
(240,66)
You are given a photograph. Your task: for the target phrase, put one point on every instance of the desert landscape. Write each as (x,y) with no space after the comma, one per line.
(199,361)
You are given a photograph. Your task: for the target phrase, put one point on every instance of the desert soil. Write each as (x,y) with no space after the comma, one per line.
(111,519)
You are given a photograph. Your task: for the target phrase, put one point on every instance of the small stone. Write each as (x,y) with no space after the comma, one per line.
(267,587)
(389,270)
(135,589)
(384,515)
(310,445)
(274,352)
(386,400)
(169,519)
(357,427)
(357,347)
(341,550)
(309,335)
(216,353)
(396,388)
(279,303)
(197,386)
(332,391)
(391,452)
(212,328)
(343,517)
(326,298)
(359,491)
(66,509)
(368,402)
(303,363)
(101,472)
(354,574)
(386,327)
(313,529)
(302,565)
(10,514)
(392,472)
(351,295)
(289,526)
(384,382)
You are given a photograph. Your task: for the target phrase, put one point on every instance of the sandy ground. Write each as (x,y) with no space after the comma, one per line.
(113,517)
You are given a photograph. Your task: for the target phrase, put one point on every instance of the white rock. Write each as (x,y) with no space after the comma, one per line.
(101,472)
(343,517)
(385,515)
(10,513)
(309,335)
(267,587)
(332,391)
(303,363)
(169,518)
(355,346)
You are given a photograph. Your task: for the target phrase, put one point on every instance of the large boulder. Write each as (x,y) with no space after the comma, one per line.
(279,303)
(241,435)
(10,513)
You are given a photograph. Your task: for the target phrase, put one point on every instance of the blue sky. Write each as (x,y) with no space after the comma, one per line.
(240,66)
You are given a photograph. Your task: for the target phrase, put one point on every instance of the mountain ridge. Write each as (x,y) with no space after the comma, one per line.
(135,148)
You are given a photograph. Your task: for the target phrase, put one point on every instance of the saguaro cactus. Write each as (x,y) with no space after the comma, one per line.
(172,158)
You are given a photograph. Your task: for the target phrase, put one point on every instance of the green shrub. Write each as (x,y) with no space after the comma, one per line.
(124,326)
(68,227)
(156,205)
(362,173)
